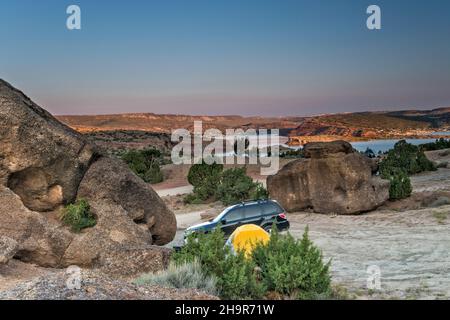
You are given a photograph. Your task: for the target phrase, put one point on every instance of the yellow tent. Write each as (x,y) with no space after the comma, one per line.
(246,237)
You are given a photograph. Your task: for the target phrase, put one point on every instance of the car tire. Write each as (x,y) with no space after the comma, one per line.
(268,228)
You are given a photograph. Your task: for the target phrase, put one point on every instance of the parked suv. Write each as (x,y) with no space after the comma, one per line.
(262,213)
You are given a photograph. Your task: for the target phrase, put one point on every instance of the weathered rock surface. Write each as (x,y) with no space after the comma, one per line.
(333,178)
(44,165)
(110,181)
(8,248)
(41,160)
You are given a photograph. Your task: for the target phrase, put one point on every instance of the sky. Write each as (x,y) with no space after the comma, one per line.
(246,57)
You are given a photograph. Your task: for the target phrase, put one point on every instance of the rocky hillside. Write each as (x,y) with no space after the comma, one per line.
(356,125)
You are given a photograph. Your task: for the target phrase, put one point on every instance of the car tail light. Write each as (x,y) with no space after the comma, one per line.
(282,216)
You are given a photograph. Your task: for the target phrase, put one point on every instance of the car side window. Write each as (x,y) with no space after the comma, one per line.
(252,211)
(271,208)
(234,215)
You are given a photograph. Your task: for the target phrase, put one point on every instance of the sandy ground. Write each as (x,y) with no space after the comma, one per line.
(410,248)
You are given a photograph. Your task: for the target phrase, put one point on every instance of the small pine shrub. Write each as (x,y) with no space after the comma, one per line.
(145,164)
(235,186)
(400,187)
(235,274)
(205,179)
(199,173)
(284,267)
(439,144)
(239,279)
(207,248)
(259,192)
(406,157)
(182,276)
(293,268)
(78,216)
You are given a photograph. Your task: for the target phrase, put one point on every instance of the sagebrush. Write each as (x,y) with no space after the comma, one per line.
(188,275)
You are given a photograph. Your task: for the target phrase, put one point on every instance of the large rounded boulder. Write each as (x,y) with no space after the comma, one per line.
(332,178)
(45,165)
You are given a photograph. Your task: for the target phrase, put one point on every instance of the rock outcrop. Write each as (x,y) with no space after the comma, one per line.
(41,160)
(45,165)
(8,248)
(332,178)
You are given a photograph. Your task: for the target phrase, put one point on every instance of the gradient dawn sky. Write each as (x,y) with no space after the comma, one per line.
(248,57)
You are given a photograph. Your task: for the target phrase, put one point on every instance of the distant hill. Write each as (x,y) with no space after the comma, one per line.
(165,123)
(359,124)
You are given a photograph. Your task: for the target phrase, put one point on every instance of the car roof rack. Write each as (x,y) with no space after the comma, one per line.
(243,203)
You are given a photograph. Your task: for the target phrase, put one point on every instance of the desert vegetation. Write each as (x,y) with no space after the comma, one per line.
(439,144)
(188,275)
(213,183)
(145,163)
(78,216)
(403,160)
(284,268)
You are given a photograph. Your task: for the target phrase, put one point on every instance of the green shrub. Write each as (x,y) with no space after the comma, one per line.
(293,268)
(229,186)
(400,187)
(235,186)
(199,173)
(145,164)
(182,276)
(406,157)
(78,216)
(204,178)
(239,279)
(292,154)
(207,248)
(259,192)
(439,144)
(235,274)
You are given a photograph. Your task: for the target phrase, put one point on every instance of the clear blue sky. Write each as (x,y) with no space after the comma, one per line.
(250,57)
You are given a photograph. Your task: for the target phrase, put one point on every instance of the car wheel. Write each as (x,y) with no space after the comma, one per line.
(268,228)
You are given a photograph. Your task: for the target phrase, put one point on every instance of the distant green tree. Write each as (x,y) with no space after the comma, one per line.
(205,179)
(400,162)
(145,163)
(439,144)
(407,157)
(235,186)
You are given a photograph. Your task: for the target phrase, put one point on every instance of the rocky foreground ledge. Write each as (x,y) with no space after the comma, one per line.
(45,165)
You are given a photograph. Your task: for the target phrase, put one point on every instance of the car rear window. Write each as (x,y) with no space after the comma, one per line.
(272,208)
